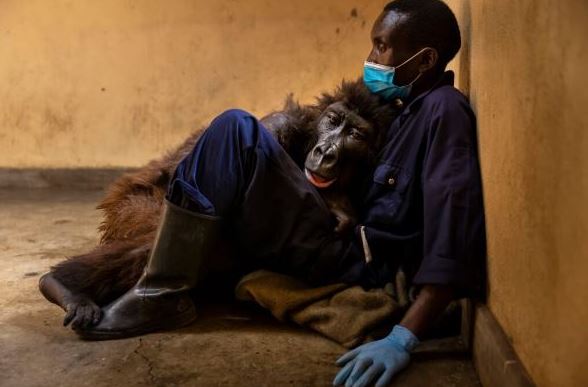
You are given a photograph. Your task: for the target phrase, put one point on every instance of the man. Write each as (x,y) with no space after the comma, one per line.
(422,211)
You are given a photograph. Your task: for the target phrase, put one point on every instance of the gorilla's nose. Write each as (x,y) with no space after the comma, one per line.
(325,155)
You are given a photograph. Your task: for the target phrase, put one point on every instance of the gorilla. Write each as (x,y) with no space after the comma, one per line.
(335,141)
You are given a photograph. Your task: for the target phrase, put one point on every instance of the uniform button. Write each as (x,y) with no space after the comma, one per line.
(391,181)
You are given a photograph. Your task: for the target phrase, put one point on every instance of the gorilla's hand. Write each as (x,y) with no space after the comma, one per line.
(341,208)
(81,312)
(345,221)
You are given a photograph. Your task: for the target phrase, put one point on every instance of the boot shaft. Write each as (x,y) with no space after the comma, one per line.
(184,239)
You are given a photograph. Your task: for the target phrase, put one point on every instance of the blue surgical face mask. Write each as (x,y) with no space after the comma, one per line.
(379,79)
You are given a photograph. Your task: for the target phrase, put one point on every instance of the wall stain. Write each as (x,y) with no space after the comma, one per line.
(16,117)
(140,115)
(144,122)
(57,122)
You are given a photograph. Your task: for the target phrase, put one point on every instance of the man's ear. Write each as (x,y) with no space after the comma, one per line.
(428,59)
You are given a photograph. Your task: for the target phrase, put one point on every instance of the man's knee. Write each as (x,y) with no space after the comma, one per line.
(237,129)
(233,120)
(234,115)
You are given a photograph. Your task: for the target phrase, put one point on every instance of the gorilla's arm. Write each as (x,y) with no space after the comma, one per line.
(79,309)
(293,128)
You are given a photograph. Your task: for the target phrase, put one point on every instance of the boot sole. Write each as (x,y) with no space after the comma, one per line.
(177,322)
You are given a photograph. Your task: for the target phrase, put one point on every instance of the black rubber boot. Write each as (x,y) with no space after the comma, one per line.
(160,300)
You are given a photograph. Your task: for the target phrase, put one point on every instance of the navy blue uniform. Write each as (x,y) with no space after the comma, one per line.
(422,207)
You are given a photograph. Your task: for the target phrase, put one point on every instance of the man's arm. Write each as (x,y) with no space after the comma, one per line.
(453,229)
(383,358)
(430,303)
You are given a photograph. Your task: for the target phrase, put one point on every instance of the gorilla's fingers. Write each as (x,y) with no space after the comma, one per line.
(86,316)
(69,315)
(79,319)
(96,315)
(75,322)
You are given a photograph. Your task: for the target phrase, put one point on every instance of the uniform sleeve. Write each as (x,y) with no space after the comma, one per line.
(454,231)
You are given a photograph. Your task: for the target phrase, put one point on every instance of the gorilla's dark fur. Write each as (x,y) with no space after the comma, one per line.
(132,205)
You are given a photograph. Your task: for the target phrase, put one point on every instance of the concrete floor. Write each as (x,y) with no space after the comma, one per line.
(231,344)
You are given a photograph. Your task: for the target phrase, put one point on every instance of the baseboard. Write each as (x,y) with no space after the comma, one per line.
(495,360)
(71,178)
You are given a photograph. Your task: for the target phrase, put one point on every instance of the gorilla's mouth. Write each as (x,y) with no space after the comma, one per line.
(318,181)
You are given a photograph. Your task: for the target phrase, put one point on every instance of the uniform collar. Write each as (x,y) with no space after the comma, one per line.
(446,79)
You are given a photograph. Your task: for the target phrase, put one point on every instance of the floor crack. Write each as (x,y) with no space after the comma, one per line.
(148,361)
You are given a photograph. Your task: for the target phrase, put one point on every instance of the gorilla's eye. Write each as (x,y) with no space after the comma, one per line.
(333,118)
(357,134)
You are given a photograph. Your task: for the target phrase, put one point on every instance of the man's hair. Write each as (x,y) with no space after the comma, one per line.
(429,23)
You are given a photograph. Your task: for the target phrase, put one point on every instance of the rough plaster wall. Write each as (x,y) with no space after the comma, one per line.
(78,79)
(115,82)
(524,66)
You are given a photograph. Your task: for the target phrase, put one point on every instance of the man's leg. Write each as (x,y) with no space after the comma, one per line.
(237,173)
(277,219)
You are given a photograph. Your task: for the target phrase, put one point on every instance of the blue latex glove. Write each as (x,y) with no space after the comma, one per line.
(379,360)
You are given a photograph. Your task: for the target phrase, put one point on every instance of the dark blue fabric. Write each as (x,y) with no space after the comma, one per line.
(276,218)
(423,207)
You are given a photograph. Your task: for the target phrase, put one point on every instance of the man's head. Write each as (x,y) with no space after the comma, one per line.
(407,27)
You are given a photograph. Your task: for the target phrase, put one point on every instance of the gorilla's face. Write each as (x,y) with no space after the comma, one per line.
(343,146)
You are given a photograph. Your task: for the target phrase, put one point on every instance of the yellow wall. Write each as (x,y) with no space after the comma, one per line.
(115,82)
(90,83)
(527,81)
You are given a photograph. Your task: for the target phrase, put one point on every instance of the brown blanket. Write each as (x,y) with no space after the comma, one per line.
(347,314)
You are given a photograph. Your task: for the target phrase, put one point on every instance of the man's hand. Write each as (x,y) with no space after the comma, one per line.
(384,358)
(376,361)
